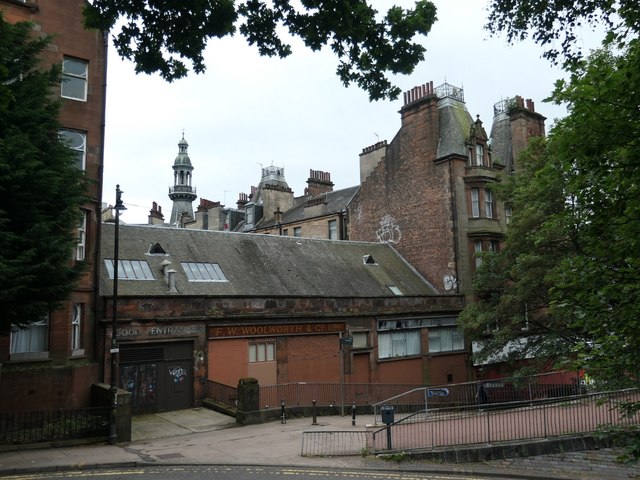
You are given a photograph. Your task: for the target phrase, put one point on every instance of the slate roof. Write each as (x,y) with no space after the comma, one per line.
(335,201)
(454,124)
(259,265)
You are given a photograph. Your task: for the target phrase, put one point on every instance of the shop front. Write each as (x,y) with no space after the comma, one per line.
(163,367)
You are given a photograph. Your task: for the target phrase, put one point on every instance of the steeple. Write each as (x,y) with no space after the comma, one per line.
(182,194)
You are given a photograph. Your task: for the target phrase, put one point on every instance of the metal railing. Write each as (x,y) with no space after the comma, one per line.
(334,443)
(508,421)
(53,425)
(222,393)
(503,390)
(324,394)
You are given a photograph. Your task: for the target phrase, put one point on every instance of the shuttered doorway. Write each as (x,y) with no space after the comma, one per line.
(158,376)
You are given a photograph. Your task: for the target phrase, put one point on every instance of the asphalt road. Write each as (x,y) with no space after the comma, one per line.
(232,472)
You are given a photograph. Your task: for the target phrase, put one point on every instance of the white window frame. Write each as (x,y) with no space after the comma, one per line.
(475,202)
(75,79)
(30,342)
(262,352)
(479,155)
(81,247)
(333,229)
(445,339)
(398,343)
(79,147)
(488,203)
(77,315)
(297,231)
(508,213)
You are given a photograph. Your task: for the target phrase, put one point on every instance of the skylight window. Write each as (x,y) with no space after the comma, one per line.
(395,290)
(203,272)
(130,269)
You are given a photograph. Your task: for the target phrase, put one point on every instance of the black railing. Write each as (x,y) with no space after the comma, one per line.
(53,425)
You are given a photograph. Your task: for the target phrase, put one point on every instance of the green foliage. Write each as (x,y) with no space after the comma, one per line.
(158,36)
(558,25)
(573,248)
(40,188)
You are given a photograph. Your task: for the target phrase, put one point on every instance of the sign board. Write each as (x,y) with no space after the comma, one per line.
(438,392)
(346,341)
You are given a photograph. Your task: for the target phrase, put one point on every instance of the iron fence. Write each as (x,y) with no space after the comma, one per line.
(327,394)
(495,391)
(334,443)
(53,425)
(222,393)
(508,421)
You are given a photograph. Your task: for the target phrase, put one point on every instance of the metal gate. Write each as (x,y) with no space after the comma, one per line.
(158,376)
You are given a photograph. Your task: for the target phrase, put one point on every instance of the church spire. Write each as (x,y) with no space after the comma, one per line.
(182,194)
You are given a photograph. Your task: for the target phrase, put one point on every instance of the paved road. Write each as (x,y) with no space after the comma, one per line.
(222,472)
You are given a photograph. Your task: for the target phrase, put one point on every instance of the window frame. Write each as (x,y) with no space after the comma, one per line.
(456,341)
(267,348)
(42,353)
(333,229)
(475,202)
(488,203)
(76,78)
(81,246)
(408,340)
(77,330)
(478,249)
(297,232)
(360,340)
(478,155)
(82,149)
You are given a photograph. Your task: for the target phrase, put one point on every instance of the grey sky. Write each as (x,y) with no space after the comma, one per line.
(246,110)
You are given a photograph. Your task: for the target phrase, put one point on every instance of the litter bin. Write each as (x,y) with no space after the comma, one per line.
(386,412)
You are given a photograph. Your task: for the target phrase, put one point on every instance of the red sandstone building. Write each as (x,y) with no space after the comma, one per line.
(52,364)
(197,306)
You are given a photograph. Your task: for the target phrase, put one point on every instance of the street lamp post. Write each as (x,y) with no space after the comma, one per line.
(113,430)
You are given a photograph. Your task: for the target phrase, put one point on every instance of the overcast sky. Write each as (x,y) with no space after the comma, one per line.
(246,111)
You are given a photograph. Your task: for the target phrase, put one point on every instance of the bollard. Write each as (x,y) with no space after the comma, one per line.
(353,414)
(282,415)
(313,411)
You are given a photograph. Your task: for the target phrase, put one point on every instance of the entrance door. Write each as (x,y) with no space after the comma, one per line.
(158,376)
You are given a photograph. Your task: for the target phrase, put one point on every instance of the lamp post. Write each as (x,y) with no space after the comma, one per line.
(113,428)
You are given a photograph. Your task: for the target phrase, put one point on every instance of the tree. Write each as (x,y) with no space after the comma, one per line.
(512,319)
(550,21)
(40,188)
(159,36)
(573,249)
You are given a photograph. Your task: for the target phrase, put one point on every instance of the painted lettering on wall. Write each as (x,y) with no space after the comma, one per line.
(283,329)
(389,231)
(163,331)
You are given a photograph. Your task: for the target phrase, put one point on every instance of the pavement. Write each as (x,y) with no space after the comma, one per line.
(201,436)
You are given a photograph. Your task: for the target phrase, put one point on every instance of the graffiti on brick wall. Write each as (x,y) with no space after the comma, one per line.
(389,231)
(450,283)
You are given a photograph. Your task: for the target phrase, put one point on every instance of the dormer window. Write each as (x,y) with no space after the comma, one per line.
(156,249)
(479,155)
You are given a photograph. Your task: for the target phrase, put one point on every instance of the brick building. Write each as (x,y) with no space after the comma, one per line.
(52,363)
(428,191)
(199,305)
